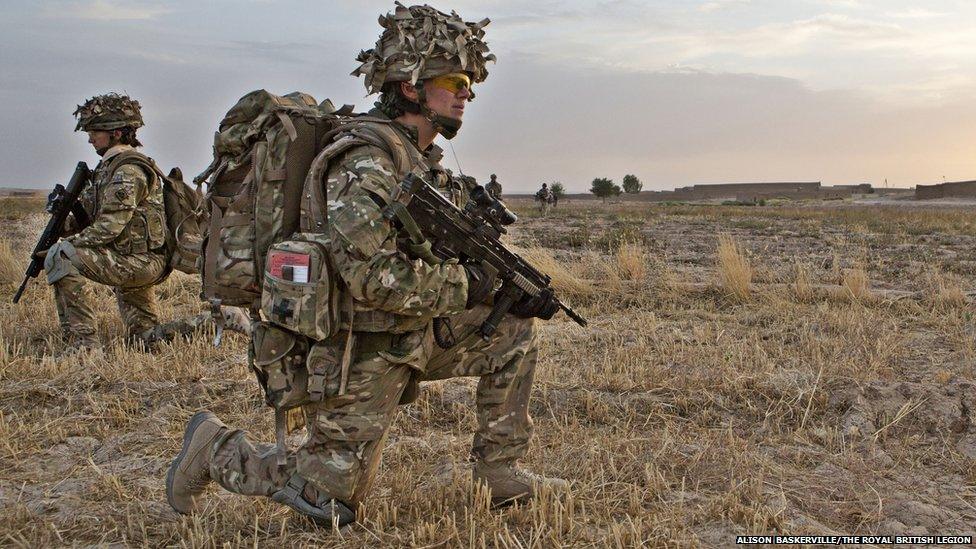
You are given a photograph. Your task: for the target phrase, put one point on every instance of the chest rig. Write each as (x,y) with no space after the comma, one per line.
(146,230)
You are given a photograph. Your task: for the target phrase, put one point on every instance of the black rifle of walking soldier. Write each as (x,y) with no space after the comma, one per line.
(62,201)
(439,231)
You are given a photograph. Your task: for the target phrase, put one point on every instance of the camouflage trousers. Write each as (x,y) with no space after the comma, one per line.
(69,271)
(545,207)
(345,434)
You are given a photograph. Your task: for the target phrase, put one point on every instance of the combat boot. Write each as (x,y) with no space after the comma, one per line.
(82,340)
(326,511)
(509,484)
(189,474)
(81,344)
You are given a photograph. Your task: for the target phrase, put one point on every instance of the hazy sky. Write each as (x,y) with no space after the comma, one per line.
(676,92)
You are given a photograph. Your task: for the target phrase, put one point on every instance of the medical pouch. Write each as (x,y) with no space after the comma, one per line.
(300,288)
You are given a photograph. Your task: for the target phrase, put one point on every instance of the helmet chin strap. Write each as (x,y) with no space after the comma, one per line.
(446,126)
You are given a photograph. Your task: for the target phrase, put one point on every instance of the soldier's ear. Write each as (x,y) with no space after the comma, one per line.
(409,91)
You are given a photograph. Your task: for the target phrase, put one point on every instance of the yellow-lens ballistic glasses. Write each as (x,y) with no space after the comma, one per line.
(454,82)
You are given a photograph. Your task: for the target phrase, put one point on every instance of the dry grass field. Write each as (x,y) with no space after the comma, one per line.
(798,369)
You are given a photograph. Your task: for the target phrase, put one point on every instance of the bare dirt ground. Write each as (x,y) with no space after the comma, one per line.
(795,369)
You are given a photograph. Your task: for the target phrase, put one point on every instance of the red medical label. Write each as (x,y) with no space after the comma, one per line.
(278,259)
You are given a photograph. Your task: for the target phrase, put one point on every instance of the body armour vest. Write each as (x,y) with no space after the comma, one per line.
(116,183)
(377,131)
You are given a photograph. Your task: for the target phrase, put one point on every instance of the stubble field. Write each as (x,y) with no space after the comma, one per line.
(796,369)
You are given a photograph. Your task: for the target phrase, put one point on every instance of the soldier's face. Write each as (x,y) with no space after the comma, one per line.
(100,140)
(447,100)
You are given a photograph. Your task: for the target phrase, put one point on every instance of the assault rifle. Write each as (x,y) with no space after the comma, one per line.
(439,230)
(62,201)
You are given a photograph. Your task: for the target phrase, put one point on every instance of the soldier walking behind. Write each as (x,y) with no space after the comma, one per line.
(546,199)
(493,187)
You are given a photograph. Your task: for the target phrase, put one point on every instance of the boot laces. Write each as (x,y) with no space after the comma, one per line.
(198,482)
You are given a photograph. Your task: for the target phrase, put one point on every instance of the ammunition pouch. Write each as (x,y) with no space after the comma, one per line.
(294,372)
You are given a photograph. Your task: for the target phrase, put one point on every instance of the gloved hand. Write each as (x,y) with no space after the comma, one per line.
(480,283)
(542,306)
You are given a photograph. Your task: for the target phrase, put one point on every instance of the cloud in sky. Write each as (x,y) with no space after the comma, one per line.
(677,92)
(104,10)
(716,5)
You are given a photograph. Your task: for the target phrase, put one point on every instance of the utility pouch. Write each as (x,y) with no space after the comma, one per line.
(324,371)
(300,289)
(278,361)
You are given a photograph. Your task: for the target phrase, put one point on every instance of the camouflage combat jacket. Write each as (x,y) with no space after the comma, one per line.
(392,292)
(126,208)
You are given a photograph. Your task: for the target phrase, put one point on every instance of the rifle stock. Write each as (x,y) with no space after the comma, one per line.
(60,204)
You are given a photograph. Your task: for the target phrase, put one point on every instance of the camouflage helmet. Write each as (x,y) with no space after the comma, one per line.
(108,112)
(421,42)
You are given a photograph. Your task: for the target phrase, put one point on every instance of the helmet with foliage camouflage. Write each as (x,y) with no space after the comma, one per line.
(421,42)
(110,111)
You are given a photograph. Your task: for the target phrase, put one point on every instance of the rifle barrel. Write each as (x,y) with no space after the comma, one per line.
(20,291)
(573,315)
(52,231)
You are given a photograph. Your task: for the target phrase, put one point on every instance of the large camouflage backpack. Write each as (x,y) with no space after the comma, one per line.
(253,255)
(266,245)
(262,153)
(184,212)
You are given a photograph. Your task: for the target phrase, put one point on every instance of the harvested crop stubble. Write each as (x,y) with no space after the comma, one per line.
(681,421)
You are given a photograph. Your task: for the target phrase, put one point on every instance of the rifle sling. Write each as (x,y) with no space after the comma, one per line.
(419,246)
(81,216)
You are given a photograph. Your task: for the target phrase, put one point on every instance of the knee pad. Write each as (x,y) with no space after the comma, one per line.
(60,261)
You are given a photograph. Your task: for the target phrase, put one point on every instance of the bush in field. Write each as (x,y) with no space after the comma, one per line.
(735,271)
(604,188)
(557,190)
(632,261)
(856,284)
(632,185)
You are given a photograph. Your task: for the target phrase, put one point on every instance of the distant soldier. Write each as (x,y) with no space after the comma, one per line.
(546,198)
(493,187)
(124,245)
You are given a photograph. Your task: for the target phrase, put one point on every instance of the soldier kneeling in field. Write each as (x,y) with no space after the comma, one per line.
(386,342)
(122,244)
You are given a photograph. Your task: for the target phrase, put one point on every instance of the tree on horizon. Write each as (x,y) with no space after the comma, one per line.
(632,185)
(604,188)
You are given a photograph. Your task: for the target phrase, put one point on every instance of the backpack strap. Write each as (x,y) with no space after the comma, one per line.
(360,131)
(133,156)
(380,133)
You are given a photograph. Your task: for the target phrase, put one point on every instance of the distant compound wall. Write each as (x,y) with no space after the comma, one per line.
(731,190)
(955,189)
(824,193)
(928,192)
(746,192)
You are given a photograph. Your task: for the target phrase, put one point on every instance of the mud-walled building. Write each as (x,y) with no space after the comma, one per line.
(730,191)
(954,189)
(753,192)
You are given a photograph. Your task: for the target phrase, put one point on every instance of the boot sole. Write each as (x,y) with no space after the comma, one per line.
(501,503)
(195,421)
